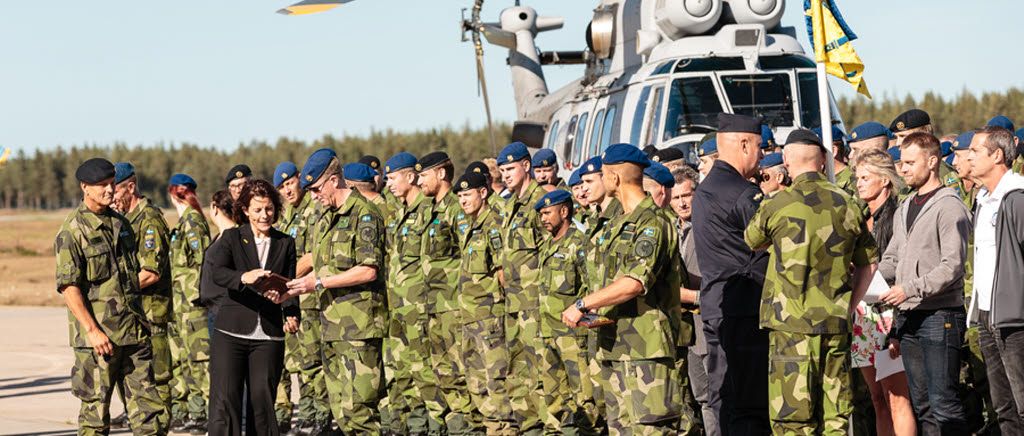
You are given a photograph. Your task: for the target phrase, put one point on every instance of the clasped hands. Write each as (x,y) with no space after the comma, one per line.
(291,324)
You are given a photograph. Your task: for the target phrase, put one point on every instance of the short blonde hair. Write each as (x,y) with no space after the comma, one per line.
(881,163)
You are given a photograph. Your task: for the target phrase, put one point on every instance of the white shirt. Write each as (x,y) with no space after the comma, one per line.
(985,236)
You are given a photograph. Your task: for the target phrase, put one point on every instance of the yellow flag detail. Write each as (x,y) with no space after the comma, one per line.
(833,43)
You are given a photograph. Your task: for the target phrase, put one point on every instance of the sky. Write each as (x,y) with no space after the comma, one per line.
(225,72)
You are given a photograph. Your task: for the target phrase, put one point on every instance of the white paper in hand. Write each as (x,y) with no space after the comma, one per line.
(877,287)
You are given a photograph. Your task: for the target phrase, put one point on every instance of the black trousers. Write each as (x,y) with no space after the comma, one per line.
(234,364)
(737,368)
(1003,351)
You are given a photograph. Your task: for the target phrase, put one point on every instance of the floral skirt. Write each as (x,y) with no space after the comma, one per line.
(870,328)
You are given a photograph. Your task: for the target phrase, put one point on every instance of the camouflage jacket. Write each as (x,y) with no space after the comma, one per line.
(407,289)
(596,220)
(815,231)
(189,240)
(496,202)
(948,177)
(641,246)
(384,207)
(97,253)
(563,280)
(522,234)
(298,222)
(153,238)
(346,237)
(480,292)
(847,181)
(441,250)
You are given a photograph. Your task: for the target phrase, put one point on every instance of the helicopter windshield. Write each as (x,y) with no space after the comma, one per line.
(768,96)
(693,107)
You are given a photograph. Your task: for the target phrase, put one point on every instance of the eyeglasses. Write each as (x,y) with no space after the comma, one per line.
(765,176)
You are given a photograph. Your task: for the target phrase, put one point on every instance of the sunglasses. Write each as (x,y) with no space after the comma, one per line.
(765,176)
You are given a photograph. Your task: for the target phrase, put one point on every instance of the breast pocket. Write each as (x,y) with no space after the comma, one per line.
(342,249)
(98,262)
(476,258)
(564,269)
(521,236)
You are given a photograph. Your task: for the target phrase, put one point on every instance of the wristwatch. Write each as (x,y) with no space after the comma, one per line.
(319,285)
(580,306)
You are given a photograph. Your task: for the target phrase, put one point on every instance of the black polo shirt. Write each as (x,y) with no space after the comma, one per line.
(733,274)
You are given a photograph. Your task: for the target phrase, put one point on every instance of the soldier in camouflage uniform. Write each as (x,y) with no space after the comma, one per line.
(814,232)
(493,199)
(152,237)
(580,207)
(482,309)
(522,234)
(545,169)
(97,274)
(636,285)
(190,344)
(348,252)
(302,348)
(564,364)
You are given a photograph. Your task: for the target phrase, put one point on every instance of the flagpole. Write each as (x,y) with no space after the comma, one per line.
(826,121)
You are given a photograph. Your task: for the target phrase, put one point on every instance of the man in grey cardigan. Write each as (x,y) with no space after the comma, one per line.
(925,260)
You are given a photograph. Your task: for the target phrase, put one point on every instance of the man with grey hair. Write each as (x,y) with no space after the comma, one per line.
(997,306)
(687,179)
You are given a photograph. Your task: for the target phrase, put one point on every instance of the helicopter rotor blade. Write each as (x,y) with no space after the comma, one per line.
(495,35)
(311,7)
(476,26)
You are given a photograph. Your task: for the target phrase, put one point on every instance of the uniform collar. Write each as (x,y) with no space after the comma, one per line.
(809,176)
(645,204)
(484,214)
(92,219)
(137,212)
(346,207)
(449,199)
(530,190)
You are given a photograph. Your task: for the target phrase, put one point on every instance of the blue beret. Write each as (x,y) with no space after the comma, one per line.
(183,179)
(122,171)
(895,153)
(1001,121)
(661,174)
(592,165)
(911,119)
(949,159)
(1020,135)
(544,158)
(837,133)
(399,161)
(513,152)
(625,153)
(574,178)
(284,172)
(767,137)
(738,123)
(947,148)
(708,147)
(315,166)
(868,130)
(771,160)
(95,170)
(962,141)
(554,197)
(358,172)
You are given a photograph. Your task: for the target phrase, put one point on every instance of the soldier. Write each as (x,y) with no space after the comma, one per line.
(815,231)
(637,287)
(603,207)
(302,348)
(917,120)
(493,199)
(1018,164)
(236,178)
(845,179)
(435,175)
(416,405)
(152,237)
(360,177)
(708,154)
(545,168)
(520,263)
(768,144)
(190,343)
(963,170)
(482,309)
(97,274)
(670,157)
(374,162)
(774,176)
(658,182)
(865,136)
(581,209)
(568,407)
(347,247)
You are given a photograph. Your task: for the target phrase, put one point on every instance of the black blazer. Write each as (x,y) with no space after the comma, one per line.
(225,261)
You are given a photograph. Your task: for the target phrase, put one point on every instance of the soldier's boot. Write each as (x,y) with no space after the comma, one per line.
(179,425)
(300,428)
(120,421)
(199,427)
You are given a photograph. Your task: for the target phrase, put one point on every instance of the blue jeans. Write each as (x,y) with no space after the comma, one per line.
(930,342)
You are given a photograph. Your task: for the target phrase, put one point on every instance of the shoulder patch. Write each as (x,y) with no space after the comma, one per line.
(150,240)
(644,247)
(496,244)
(648,232)
(365,218)
(367,232)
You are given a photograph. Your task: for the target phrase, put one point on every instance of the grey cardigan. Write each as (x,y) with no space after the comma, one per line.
(927,259)
(1008,286)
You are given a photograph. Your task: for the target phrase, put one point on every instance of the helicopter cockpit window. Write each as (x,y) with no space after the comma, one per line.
(606,128)
(570,137)
(552,135)
(768,96)
(663,68)
(638,116)
(581,133)
(709,64)
(693,107)
(653,117)
(784,62)
(595,138)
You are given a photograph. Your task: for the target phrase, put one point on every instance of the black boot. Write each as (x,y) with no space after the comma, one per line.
(198,427)
(299,429)
(120,421)
(180,426)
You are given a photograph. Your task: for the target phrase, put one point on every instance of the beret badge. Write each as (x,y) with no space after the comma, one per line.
(590,167)
(374,165)
(510,158)
(284,175)
(309,178)
(419,167)
(900,125)
(853,135)
(238,174)
(547,202)
(656,158)
(465,185)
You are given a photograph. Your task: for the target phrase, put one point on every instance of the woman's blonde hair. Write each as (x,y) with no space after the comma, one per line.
(880,162)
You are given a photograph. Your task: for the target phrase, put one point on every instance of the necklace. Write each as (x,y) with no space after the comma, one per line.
(926,197)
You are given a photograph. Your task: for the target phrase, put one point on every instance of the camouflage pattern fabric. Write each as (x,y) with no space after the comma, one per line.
(523,385)
(298,222)
(445,333)
(313,403)
(415,402)
(352,319)
(283,404)
(808,383)
(385,209)
(190,341)
(480,293)
(644,397)
(93,380)
(847,181)
(563,280)
(948,177)
(1018,165)
(496,202)
(815,231)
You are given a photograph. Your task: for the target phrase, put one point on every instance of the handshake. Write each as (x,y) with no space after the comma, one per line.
(275,287)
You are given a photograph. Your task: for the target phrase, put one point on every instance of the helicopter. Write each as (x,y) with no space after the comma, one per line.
(656,72)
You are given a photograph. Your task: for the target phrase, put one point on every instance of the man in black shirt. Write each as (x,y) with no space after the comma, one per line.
(737,359)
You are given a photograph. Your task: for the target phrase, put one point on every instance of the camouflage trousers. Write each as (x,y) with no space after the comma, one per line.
(445,332)
(569,406)
(354,374)
(93,379)
(485,358)
(190,376)
(642,397)
(303,359)
(161,364)
(416,404)
(690,421)
(522,334)
(809,383)
(596,383)
(283,404)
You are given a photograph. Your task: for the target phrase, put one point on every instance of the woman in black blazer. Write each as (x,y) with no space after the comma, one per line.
(247,345)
